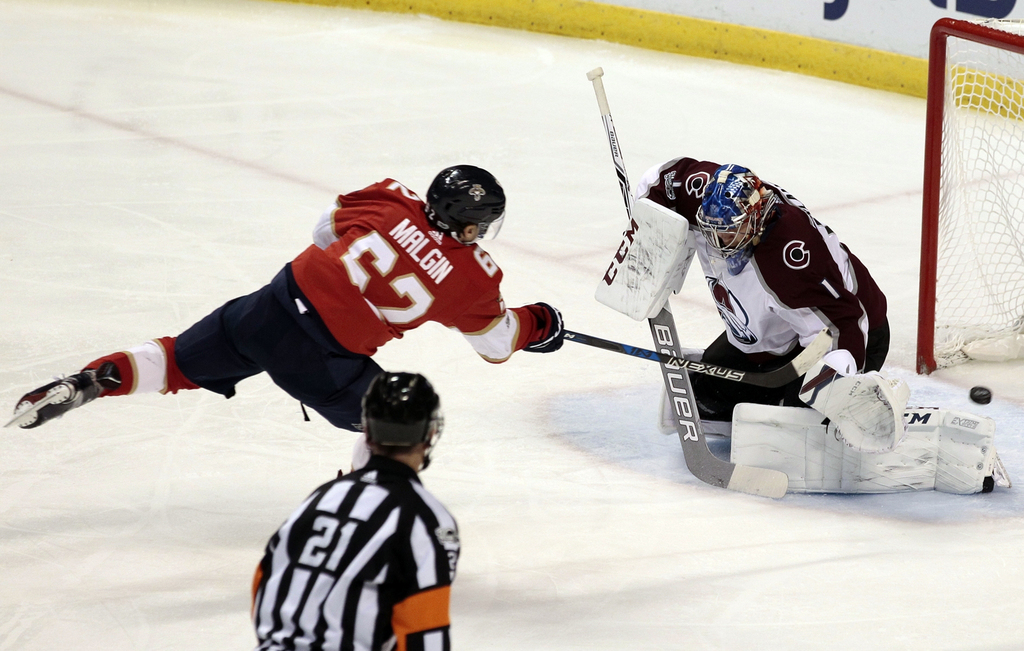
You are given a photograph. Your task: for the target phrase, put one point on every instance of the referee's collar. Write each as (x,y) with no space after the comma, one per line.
(378,462)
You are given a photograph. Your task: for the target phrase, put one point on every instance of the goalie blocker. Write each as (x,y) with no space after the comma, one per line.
(650,263)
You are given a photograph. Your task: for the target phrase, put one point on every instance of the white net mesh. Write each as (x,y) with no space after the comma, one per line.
(980,265)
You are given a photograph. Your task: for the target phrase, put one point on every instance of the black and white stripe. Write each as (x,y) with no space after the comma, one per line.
(356,547)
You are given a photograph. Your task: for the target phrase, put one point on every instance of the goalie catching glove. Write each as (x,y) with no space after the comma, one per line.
(867,408)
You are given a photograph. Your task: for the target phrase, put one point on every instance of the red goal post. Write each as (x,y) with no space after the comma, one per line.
(971,297)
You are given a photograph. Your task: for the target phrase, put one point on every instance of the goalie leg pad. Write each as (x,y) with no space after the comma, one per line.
(967,454)
(944,450)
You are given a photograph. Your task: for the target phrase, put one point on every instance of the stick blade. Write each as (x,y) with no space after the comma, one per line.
(759,481)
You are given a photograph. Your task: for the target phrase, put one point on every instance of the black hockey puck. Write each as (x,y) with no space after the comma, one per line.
(981,395)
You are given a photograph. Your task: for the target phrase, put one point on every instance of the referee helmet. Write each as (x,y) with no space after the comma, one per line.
(402,409)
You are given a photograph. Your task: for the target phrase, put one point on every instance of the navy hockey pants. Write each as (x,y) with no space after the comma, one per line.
(261,333)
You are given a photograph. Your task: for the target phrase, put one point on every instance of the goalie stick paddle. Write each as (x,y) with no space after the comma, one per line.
(781,376)
(704,465)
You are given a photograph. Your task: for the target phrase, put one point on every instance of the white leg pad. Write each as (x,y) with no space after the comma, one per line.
(967,451)
(149,362)
(651,263)
(944,450)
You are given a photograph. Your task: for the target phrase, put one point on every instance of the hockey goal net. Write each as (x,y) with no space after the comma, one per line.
(971,302)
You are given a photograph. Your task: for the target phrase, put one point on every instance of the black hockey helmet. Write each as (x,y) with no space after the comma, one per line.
(401,409)
(463,195)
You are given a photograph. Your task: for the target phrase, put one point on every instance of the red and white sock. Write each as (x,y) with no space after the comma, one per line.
(147,368)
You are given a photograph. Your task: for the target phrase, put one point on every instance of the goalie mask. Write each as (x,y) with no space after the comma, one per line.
(402,409)
(732,213)
(464,195)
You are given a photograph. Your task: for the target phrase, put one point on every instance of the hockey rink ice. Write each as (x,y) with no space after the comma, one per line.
(160,158)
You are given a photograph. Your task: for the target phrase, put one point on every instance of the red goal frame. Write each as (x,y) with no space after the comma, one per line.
(941,30)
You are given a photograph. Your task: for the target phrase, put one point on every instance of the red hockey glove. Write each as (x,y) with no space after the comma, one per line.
(550,322)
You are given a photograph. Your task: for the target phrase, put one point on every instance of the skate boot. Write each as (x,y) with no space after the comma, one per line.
(54,399)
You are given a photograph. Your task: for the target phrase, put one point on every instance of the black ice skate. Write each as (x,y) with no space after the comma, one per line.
(54,399)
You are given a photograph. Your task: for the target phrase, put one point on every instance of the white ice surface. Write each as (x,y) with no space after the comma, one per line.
(159,158)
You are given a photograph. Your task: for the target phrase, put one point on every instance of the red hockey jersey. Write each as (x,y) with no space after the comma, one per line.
(380,269)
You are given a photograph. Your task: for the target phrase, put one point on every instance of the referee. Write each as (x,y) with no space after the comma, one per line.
(367,561)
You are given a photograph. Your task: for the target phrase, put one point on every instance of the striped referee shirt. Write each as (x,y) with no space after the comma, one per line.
(365,563)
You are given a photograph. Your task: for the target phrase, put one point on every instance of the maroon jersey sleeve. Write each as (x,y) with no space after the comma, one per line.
(798,268)
(678,185)
(869,293)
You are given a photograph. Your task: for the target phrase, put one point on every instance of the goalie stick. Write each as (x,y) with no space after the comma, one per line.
(704,465)
(781,376)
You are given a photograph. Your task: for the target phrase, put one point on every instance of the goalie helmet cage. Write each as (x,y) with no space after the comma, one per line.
(972,236)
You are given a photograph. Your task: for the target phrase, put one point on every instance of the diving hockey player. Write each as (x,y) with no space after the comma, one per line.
(383,262)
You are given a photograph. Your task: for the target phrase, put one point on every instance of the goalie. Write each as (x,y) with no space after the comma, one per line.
(778,276)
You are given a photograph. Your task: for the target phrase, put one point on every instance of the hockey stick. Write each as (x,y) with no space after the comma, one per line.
(704,465)
(781,376)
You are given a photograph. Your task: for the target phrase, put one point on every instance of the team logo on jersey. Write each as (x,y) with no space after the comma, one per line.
(671,184)
(735,317)
(796,255)
(695,184)
(477,192)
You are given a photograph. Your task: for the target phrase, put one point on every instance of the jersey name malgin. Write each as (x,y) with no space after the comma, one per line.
(413,240)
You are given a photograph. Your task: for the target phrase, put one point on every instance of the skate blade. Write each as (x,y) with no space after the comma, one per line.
(26,417)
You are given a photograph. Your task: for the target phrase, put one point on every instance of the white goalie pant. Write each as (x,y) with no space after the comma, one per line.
(943,450)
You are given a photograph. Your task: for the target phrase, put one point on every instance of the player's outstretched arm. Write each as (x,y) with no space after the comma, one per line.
(496,335)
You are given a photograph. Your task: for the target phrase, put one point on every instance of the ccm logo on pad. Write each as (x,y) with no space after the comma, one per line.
(620,256)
